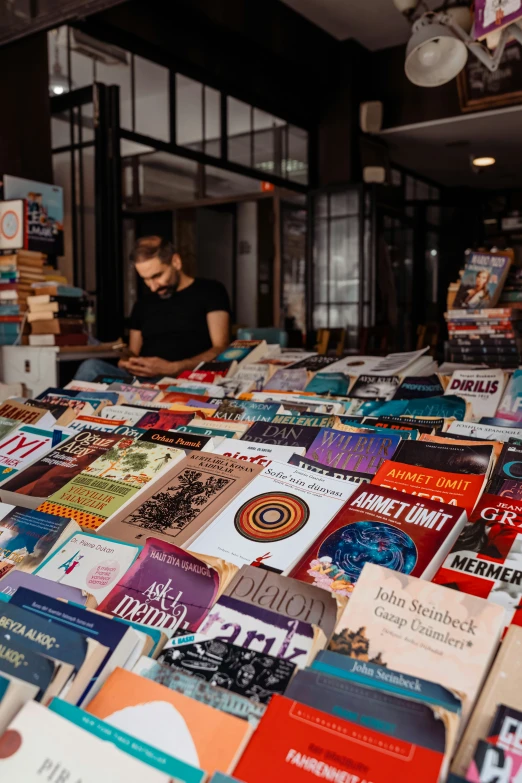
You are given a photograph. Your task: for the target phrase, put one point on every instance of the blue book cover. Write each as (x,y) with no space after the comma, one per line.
(27,536)
(371,675)
(152,756)
(17,660)
(445,407)
(329,383)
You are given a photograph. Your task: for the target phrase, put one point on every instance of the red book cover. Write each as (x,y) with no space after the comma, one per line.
(384,527)
(485,559)
(163,419)
(298,744)
(456,489)
(202,376)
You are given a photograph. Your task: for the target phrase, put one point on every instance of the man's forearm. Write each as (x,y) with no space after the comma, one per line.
(206,356)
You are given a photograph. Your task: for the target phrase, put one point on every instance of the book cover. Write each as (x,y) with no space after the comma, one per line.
(90,562)
(304,741)
(506,729)
(491,763)
(35,668)
(15,579)
(412,387)
(456,489)
(482,431)
(25,414)
(359,452)
(7,425)
(289,597)
(176,440)
(246,351)
(183,503)
(427,424)
(314,362)
(316,467)
(38,743)
(398,717)
(111,480)
(288,379)
(447,406)
(502,686)
(207,432)
(97,423)
(27,537)
(374,387)
(165,587)
(196,688)
(483,389)
(252,626)
(130,393)
(510,406)
(125,413)
(52,471)
(239,410)
(378,525)
(485,559)
(482,281)
(250,673)
(305,420)
(274,518)
(329,383)
(256,453)
(469,458)
(163,419)
(182,727)
(128,744)
(22,447)
(280,434)
(421,629)
(508,467)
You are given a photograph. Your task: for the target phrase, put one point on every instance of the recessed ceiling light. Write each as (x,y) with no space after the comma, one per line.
(484,161)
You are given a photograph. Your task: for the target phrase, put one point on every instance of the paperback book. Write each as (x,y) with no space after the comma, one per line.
(483,389)
(482,281)
(374,387)
(23,446)
(239,410)
(317,467)
(412,387)
(510,406)
(280,434)
(359,452)
(384,527)
(256,453)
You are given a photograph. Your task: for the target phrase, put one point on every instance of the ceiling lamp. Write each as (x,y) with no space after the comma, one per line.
(483,161)
(438,48)
(58,82)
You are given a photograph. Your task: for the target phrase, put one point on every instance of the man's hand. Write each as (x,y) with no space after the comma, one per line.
(150,366)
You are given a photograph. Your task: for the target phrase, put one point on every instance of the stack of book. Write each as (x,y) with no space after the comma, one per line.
(511,295)
(30,265)
(492,336)
(56,320)
(9,306)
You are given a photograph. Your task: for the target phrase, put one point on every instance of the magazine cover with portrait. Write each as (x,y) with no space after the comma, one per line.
(482,280)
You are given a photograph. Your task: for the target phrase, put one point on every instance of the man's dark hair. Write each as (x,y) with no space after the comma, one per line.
(152,247)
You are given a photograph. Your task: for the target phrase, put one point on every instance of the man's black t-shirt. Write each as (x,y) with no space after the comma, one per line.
(176,328)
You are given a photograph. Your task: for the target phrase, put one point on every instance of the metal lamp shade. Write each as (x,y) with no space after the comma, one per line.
(434,55)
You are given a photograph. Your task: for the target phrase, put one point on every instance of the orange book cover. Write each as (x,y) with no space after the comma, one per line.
(456,489)
(297,744)
(173,396)
(183,727)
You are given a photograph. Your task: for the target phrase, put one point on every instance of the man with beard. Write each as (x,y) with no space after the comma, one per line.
(182,321)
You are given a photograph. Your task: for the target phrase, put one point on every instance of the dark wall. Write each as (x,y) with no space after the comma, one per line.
(25,130)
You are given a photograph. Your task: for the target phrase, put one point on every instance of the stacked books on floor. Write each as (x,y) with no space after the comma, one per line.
(204,580)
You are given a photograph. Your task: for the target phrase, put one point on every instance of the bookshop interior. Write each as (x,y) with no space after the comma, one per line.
(260,352)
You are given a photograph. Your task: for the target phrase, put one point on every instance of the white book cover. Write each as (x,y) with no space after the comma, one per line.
(483,389)
(258,453)
(86,386)
(275,518)
(312,403)
(43,746)
(21,447)
(89,562)
(482,431)
(122,413)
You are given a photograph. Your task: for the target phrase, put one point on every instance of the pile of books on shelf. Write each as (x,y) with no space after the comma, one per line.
(275,566)
(478,330)
(56,320)
(10,317)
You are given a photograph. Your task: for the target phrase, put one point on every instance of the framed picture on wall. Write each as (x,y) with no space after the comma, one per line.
(13,224)
(44,212)
(482,89)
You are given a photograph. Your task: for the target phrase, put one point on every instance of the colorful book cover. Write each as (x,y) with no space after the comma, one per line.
(288,379)
(484,560)
(40,742)
(163,419)
(16,579)
(329,383)
(506,729)
(250,673)
(256,453)
(25,414)
(374,387)
(316,467)
(109,482)
(97,423)
(483,389)
(91,563)
(21,447)
(305,420)
(454,489)
(274,518)
(412,387)
(176,440)
(482,281)
(148,754)
(182,727)
(448,406)
(469,458)
(280,434)
(248,625)
(55,469)
(421,629)
(35,668)
(289,597)
(165,587)
(360,452)
(491,763)
(378,525)
(303,741)
(202,485)
(130,394)
(238,410)
(398,717)
(510,406)
(206,431)
(27,537)
(508,467)
(239,350)
(423,424)
(129,432)
(196,688)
